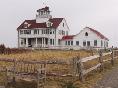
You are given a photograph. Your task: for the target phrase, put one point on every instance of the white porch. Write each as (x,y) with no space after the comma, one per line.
(35,42)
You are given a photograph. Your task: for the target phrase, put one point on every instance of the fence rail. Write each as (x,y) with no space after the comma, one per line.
(81,71)
(39,68)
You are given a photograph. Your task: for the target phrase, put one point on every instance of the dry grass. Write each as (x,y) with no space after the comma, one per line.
(47,55)
(55,82)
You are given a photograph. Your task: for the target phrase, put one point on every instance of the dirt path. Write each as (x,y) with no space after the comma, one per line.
(110,80)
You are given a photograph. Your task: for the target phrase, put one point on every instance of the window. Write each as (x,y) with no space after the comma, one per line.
(71,42)
(35,31)
(38,31)
(77,43)
(88,43)
(41,12)
(42,32)
(95,42)
(50,31)
(63,32)
(84,43)
(49,24)
(101,43)
(50,41)
(63,24)
(22,42)
(21,31)
(68,42)
(59,41)
(53,41)
(46,32)
(86,34)
(27,31)
(107,44)
(104,44)
(53,32)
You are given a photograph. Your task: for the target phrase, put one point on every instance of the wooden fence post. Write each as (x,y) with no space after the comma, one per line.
(45,71)
(112,56)
(41,76)
(38,78)
(74,67)
(6,76)
(101,60)
(14,72)
(80,67)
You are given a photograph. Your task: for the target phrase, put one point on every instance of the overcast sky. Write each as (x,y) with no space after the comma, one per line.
(101,15)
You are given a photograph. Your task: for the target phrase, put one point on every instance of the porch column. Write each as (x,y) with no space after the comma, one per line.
(36,42)
(48,42)
(44,42)
(26,42)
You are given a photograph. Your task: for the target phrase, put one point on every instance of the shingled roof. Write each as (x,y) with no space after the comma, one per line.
(98,33)
(68,37)
(55,23)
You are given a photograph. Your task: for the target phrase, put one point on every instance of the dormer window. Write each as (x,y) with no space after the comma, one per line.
(49,24)
(41,12)
(86,34)
(26,25)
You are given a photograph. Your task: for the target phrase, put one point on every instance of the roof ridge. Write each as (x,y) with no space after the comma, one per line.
(98,33)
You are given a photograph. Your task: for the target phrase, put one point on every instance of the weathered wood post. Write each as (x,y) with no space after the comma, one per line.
(14,71)
(112,56)
(74,66)
(38,73)
(6,76)
(45,71)
(80,67)
(40,79)
(101,60)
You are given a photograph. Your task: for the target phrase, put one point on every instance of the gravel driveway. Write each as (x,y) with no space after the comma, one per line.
(110,80)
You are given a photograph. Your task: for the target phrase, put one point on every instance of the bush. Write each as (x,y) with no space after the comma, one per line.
(2,48)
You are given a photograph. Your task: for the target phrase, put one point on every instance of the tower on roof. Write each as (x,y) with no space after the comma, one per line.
(43,15)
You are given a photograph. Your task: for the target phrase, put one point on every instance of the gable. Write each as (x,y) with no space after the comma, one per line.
(92,34)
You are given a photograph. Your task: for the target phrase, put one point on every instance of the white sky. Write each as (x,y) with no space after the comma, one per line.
(99,14)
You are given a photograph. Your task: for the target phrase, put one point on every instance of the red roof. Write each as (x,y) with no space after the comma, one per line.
(55,23)
(68,37)
(98,33)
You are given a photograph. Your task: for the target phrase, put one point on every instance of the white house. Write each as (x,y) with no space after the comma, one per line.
(42,32)
(87,38)
(53,33)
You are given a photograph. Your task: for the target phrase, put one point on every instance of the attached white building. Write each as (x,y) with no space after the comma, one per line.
(87,38)
(52,33)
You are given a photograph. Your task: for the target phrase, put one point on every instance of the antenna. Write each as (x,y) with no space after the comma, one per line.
(44,4)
